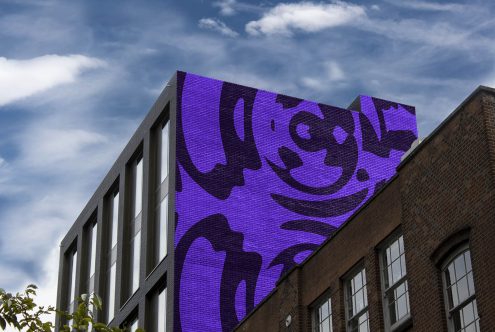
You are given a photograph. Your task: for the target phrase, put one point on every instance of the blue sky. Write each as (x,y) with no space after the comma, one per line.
(77,77)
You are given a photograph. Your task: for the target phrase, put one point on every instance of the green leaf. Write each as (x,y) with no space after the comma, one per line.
(3,323)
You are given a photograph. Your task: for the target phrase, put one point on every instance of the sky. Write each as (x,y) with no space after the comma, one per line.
(78,77)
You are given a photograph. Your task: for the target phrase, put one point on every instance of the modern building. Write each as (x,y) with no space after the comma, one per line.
(226,191)
(418,256)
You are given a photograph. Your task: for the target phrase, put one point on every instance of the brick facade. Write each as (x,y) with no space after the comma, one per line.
(444,192)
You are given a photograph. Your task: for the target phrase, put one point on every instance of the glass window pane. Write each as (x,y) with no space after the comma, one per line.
(92,265)
(460,287)
(397,296)
(467,257)
(115,219)
(358,282)
(134,326)
(136,255)
(323,317)
(111,293)
(163,225)
(358,299)
(164,153)
(394,251)
(471,283)
(138,193)
(73,268)
(460,267)
(162,311)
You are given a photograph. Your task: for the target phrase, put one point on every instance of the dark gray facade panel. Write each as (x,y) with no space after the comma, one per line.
(151,277)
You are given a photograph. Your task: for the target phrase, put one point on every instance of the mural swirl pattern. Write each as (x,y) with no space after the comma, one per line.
(262,180)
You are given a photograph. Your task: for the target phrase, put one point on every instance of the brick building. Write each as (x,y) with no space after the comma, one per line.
(418,256)
(229,165)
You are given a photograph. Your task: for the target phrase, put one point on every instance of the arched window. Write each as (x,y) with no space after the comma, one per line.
(459,292)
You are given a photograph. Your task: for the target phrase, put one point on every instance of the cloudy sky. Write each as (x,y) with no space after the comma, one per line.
(77,77)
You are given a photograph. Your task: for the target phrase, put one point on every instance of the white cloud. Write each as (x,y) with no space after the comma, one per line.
(47,147)
(227,7)
(414,30)
(331,75)
(23,78)
(217,25)
(334,71)
(305,16)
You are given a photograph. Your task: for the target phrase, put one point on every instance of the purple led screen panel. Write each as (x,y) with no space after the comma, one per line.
(262,180)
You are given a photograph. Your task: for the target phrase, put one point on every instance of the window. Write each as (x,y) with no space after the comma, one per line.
(322,316)
(162,311)
(462,312)
(113,208)
(93,229)
(71,286)
(161,194)
(134,326)
(72,281)
(394,283)
(135,226)
(357,302)
(131,324)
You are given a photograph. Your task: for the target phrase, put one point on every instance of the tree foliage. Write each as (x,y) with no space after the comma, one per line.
(21,312)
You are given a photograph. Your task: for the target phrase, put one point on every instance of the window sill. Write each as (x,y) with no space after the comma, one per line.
(402,325)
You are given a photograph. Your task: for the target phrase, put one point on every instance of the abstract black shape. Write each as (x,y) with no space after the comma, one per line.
(309,226)
(343,154)
(178,178)
(362,175)
(240,153)
(238,266)
(390,139)
(381,104)
(322,209)
(287,101)
(286,257)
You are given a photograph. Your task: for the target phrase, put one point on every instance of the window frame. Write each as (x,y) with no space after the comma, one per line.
(111,235)
(133,226)
(358,268)
(445,263)
(382,252)
(160,190)
(315,324)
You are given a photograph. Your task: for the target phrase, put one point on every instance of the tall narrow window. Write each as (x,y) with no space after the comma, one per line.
(131,324)
(162,310)
(135,226)
(459,291)
(322,316)
(92,257)
(394,283)
(72,281)
(357,302)
(113,208)
(161,194)
(134,325)
(71,286)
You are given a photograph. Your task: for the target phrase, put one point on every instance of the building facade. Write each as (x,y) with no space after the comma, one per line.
(418,256)
(221,191)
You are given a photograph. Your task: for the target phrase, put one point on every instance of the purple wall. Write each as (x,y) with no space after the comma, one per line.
(262,180)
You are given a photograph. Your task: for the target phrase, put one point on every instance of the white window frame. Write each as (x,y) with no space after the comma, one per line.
(348,298)
(460,250)
(398,325)
(315,323)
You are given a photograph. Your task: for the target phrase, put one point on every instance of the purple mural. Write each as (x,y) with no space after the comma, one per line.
(262,180)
